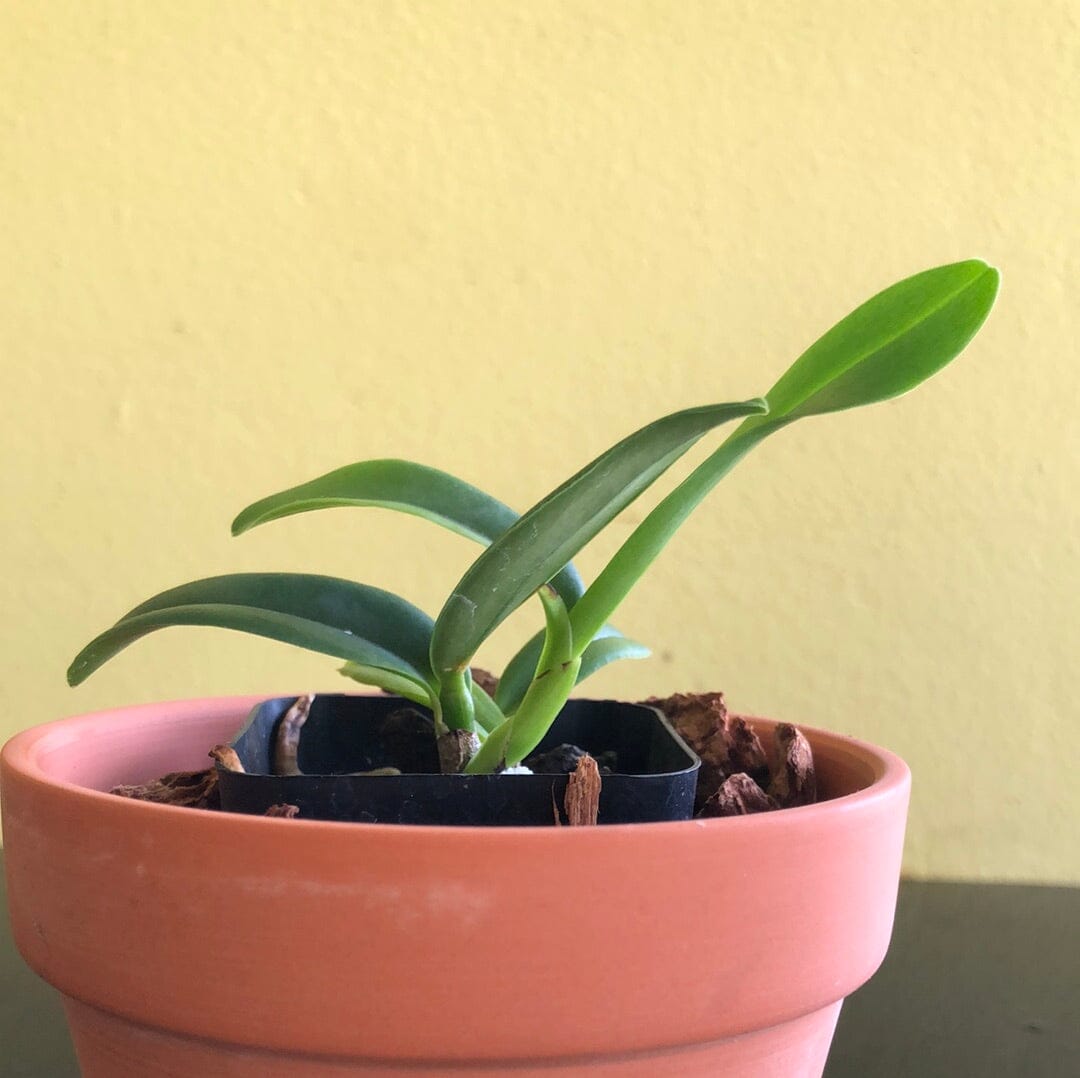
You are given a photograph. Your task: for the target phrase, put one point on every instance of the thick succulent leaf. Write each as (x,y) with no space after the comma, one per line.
(556,674)
(529,553)
(607,646)
(335,617)
(888,345)
(884,348)
(518,673)
(406,487)
(617,578)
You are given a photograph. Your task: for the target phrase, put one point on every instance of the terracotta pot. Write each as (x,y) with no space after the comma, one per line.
(197,943)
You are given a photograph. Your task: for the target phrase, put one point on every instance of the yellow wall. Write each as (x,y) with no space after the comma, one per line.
(244,243)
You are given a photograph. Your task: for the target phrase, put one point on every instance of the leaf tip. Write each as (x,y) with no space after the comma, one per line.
(241,523)
(988,280)
(983,270)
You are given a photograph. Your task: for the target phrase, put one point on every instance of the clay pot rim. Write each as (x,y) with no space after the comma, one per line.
(889,777)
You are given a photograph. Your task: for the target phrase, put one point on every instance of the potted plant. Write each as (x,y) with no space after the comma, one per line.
(192,942)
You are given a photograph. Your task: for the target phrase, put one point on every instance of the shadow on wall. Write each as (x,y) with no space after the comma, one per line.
(982,979)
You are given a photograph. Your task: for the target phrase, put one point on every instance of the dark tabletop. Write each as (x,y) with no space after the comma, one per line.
(981,981)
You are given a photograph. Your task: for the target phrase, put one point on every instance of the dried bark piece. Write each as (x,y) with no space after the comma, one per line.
(227,757)
(739,795)
(456,749)
(721,739)
(726,743)
(283,811)
(287,740)
(188,789)
(582,799)
(745,748)
(794,781)
(699,719)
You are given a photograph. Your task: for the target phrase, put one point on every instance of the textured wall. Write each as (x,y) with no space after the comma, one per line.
(245,243)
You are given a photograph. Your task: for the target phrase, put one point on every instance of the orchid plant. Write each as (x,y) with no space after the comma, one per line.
(882,349)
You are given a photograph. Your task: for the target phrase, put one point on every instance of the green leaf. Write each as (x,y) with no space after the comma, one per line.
(335,617)
(529,553)
(402,485)
(388,681)
(888,345)
(608,645)
(406,487)
(518,673)
(884,348)
(608,649)
(556,674)
(487,712)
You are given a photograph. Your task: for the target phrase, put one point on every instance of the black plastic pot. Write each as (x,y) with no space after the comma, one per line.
(656,772)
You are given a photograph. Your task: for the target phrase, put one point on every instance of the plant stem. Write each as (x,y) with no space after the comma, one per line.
(639,551)
(456,699)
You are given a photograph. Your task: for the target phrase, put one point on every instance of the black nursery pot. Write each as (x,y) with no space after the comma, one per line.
(655,774)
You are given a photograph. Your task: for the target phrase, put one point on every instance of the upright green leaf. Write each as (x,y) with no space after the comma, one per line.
(888,345)
(518,673)
(533,550)
(608,646)
(406,487)
(335,617)
(556,675)
(884,348)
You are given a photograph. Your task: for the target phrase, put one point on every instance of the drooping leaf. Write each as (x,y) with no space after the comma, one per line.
(406,487)
(335,617)
(545,538)
(486,711)
(884,348)
(388,681)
